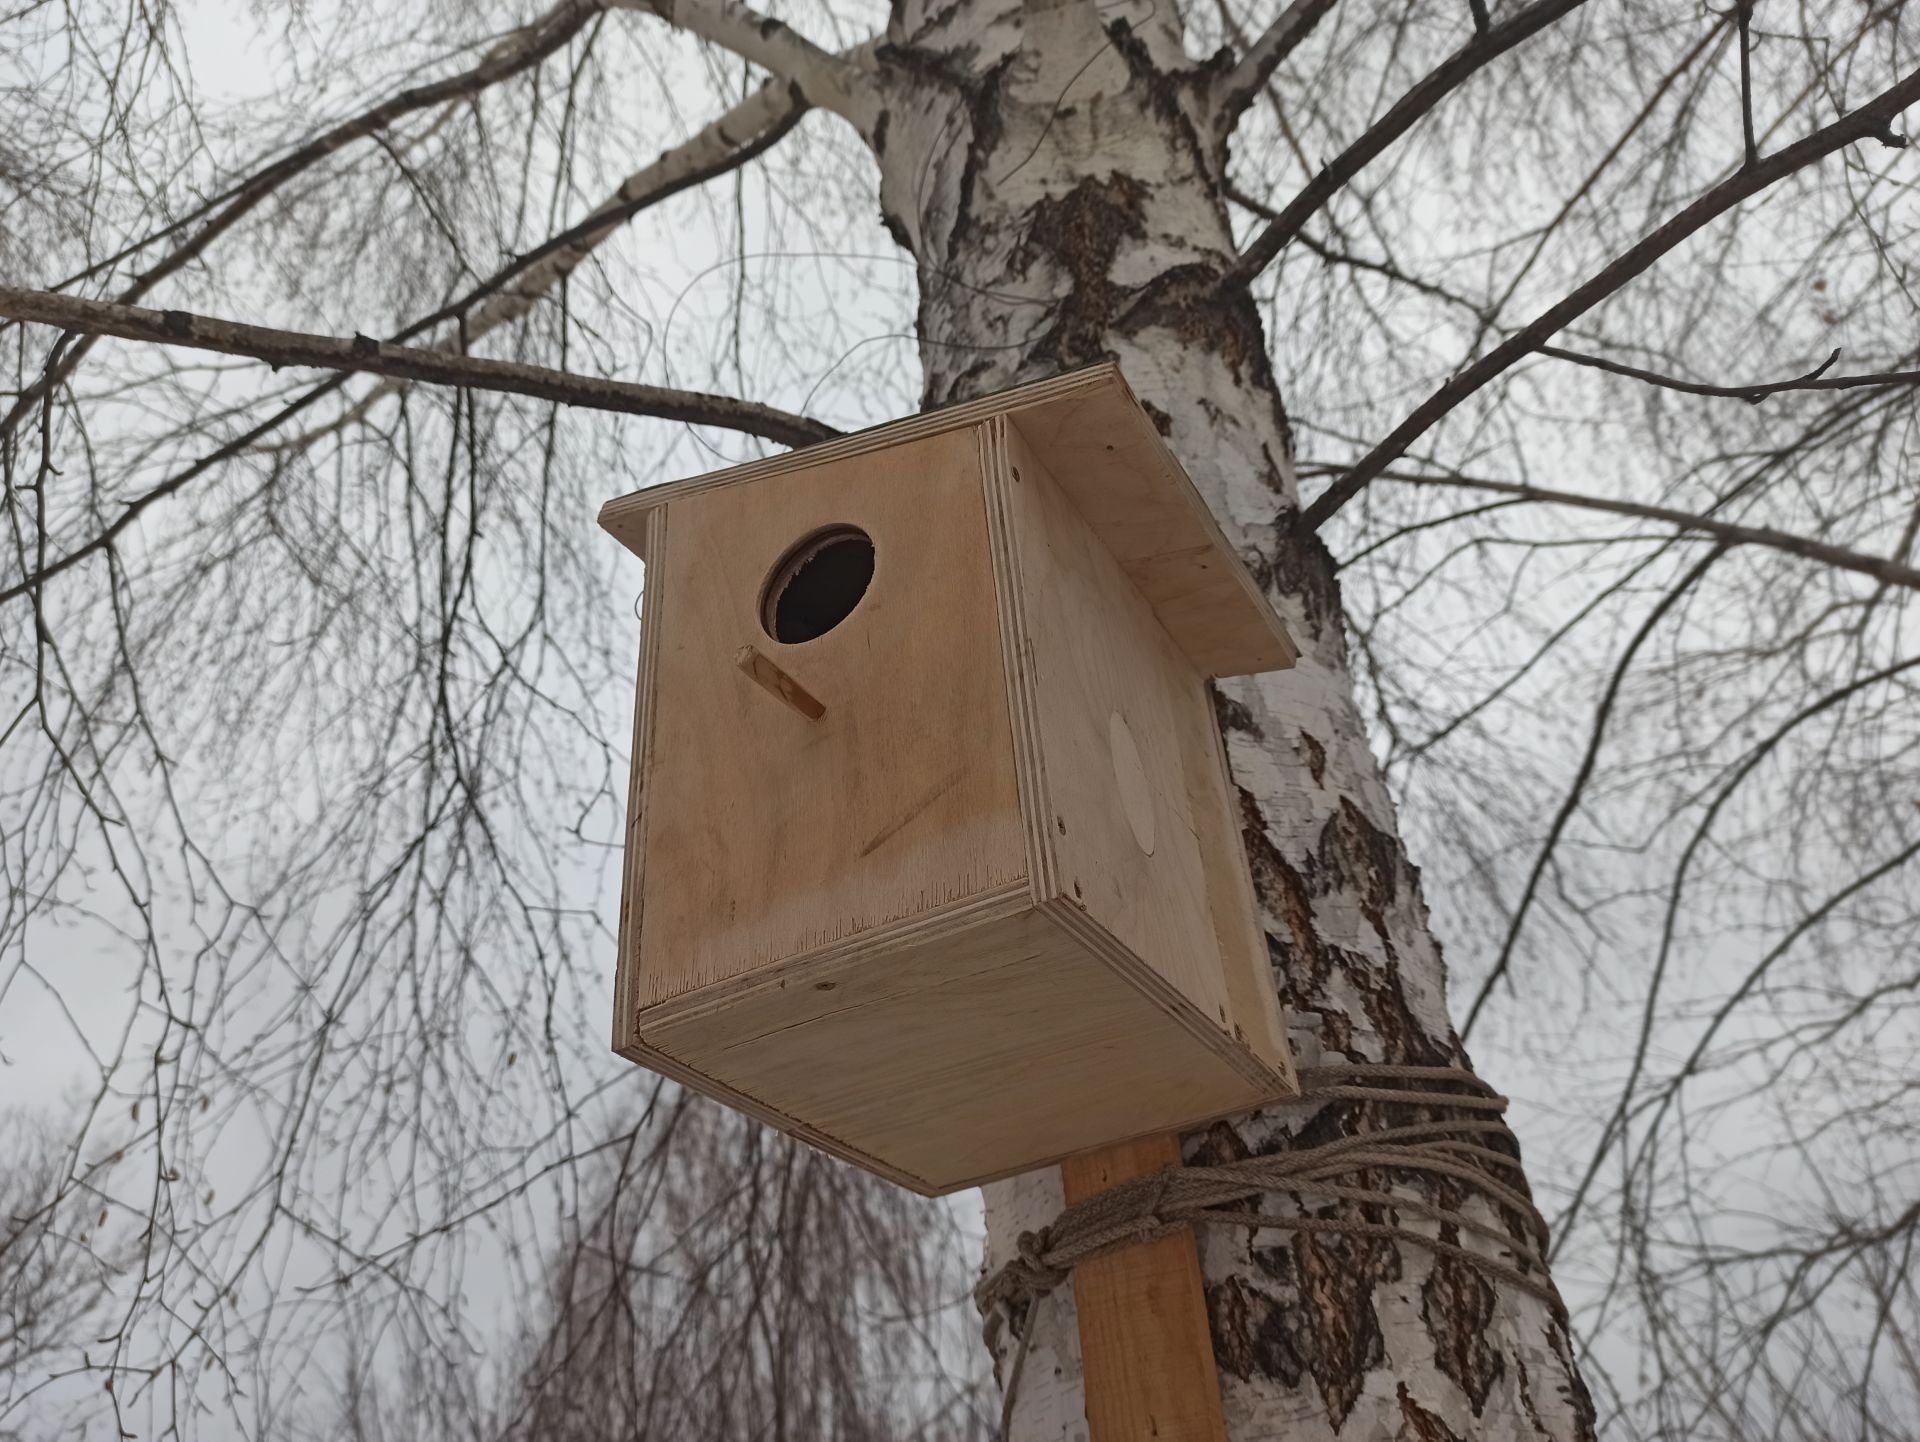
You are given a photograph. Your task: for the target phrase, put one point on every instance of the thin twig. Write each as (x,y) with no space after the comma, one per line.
(1871,121)
(1743,11)
(1816,379)
(527,49)
(365,355)
(1441,82)
(1889,572)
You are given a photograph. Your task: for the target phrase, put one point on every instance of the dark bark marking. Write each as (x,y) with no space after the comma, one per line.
(1457,1303)
(1316,756)
(1162,422)
(1081,232)
(1343,1339)
(1167,94)
(1312,1315)
(1232,715)
(1304,961)
(1422,1425)
(1572,1386)
(1302,566)
(897,228)
(1354,852)
(1218,1145)
(1402,1039)
(1188,301)
(1254,1335)
(1526,1398)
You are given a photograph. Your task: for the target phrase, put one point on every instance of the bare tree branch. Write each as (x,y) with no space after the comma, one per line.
(1442,81)
(1235,90)
(832,82)
(528,47)
(1816,379)
(1869,121)
(1570,803)
(364,354)
(1889,572)
(742,134)
(1743,11)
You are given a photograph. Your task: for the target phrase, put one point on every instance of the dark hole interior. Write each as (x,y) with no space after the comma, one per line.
(817,586)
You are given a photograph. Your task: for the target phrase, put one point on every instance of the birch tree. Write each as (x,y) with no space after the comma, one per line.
(1357,258)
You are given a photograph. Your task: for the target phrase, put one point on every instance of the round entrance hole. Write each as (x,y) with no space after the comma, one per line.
(817,584)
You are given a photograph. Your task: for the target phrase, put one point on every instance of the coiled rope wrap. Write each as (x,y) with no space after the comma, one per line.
(1157,1205)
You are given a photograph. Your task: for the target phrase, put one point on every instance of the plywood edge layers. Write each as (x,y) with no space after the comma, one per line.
(1246,966)
(1029,756)
(1078,423)
(1266,1082)
(820,964)
(623,516)
(655,1051)
(668,1066)
(632,873)
(1178,558)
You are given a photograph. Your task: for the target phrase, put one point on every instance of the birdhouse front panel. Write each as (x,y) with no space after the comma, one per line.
(932,858)
(768,833)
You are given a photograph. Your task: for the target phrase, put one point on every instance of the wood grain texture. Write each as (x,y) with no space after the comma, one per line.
(1254,1014)
(953,889)
(1083,649)
(957,1049)
(1097,651)
(1144,1338)
(1106,453)
(778,684)
(770,835)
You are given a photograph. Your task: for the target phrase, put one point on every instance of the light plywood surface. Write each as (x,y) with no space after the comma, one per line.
(1097,653)
(769,834)
(1144,1339)
(967,1053)
(1137,836)
(955,888)
(1106,453)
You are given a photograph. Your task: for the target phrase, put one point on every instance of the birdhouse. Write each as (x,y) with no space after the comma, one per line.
(932,858)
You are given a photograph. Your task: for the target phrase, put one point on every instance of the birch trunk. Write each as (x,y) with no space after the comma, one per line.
(1056,170)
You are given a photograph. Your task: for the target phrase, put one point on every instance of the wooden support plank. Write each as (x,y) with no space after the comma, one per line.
(1144,1342)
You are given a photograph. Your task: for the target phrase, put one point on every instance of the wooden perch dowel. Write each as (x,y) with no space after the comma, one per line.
(778,683)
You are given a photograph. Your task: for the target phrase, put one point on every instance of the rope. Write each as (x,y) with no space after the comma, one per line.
(1167,1201)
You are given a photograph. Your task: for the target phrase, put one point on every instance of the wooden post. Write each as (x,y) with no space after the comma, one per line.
(1144,1341)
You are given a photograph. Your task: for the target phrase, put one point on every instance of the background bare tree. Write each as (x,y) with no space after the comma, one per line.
(314,735)
(57,1256)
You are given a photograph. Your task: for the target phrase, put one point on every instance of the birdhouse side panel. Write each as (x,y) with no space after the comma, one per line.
(1107,680)
(772,832)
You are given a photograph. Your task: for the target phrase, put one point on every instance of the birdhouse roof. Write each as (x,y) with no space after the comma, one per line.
(1106,454)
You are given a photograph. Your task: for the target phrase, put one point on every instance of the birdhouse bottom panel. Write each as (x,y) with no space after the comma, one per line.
(999,1043)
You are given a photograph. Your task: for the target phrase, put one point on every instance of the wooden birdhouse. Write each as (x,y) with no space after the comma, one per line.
(932,858)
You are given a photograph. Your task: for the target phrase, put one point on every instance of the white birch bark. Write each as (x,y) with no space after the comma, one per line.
(1056,169)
